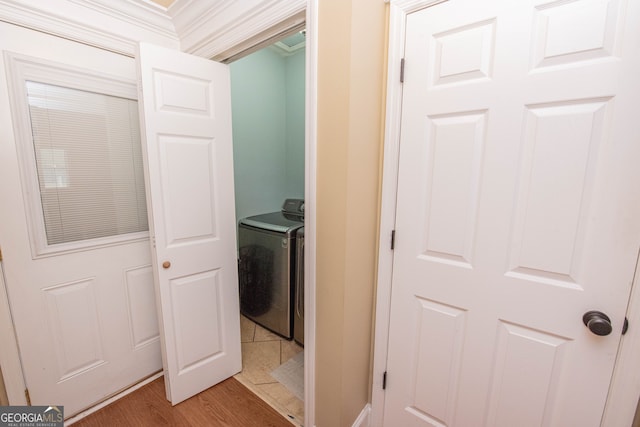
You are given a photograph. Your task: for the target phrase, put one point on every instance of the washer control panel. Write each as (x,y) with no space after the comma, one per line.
(293,206)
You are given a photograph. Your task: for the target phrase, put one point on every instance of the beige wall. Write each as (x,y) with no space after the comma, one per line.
(351,63)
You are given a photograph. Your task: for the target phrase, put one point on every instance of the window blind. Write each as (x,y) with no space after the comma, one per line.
(89,163)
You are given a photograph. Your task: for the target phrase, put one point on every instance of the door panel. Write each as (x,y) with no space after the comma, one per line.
(560,145)
(73,319)
(142,316)
(516,195)
(190,208)
(526,372)
(189,166)
(452,188)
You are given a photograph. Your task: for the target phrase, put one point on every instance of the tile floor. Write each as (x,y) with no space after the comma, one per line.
(262,352)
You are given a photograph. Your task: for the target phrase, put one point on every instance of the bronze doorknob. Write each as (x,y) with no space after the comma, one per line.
(597,322)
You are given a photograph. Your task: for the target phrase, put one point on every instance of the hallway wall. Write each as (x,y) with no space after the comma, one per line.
(351,85)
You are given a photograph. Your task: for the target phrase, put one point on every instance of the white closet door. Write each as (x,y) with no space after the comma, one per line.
(517,211)
(186,111)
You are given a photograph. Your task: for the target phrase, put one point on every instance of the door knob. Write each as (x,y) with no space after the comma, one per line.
(597,322)
(166,264)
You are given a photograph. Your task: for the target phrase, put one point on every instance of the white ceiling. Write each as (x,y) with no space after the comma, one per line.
(291,44)
(164,3)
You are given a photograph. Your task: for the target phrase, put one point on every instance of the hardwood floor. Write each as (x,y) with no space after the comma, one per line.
(228,404)
(231,403)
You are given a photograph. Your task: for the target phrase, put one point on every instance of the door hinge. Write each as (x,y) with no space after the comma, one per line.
(393,239)
(402,70)
(0,254)
(384,380)
(625,326)
(27,396)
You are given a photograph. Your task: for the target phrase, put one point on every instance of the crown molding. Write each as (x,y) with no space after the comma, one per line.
(190,17)
(284,50)
(122,23)
(220,29)
(216,29)
(144,14)
(410,6)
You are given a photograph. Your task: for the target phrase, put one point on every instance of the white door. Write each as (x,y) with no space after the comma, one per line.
(517,211)
(84,310)
(186,109)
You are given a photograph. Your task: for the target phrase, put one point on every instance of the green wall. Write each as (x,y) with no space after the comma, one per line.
(267,97)
(295,113)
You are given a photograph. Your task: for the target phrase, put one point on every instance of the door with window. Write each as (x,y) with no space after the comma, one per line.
(517,220)
(73,222)
(80,267)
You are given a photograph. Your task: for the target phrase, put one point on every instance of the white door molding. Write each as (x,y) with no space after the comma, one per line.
(397,16)
(624,392)
(393,115)
(625,387)
(310,153)
(10,355)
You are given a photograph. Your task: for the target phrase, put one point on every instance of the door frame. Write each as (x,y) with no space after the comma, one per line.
(10,356)
(32,18)
(624,390)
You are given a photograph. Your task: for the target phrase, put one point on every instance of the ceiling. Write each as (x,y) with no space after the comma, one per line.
(165,3)
(294,40)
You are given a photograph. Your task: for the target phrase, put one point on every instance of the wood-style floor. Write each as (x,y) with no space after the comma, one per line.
(228,404)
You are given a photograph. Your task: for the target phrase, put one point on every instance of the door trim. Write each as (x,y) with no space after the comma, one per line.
(310,163)
(10,356)
(624,390)
(397,18)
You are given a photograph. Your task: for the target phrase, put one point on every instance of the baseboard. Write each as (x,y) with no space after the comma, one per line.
(112,399)
(364,419)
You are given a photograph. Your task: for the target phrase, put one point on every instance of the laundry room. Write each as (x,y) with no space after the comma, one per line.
(268,107)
